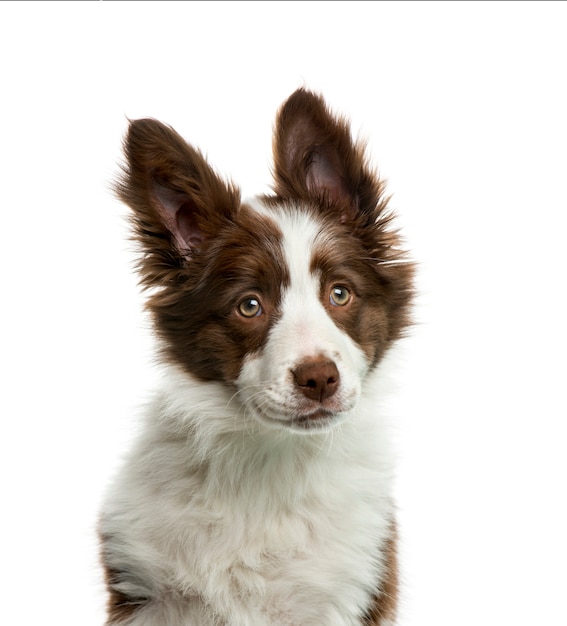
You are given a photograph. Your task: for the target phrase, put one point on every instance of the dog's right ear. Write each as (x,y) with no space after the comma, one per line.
(178,200)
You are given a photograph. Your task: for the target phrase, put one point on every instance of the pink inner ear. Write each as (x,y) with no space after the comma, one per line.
(188,227)
(322,178)
(326,174)
(178,214)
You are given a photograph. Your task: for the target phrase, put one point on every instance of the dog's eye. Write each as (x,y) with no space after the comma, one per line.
(250,307)
(340,296)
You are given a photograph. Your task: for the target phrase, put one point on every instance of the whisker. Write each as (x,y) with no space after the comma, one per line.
(402,261)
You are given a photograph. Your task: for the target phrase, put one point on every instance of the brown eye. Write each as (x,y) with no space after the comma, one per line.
(340,296)
(250,307)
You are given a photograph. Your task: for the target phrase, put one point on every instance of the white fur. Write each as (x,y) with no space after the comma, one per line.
(227,515)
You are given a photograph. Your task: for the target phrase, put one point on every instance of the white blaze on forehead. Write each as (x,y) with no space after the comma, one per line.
(300,231)
(300,299)
(305,328)
(303,313)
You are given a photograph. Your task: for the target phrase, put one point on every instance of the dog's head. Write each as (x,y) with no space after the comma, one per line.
(292,298)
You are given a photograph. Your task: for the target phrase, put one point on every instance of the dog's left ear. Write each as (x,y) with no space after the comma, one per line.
(316,159)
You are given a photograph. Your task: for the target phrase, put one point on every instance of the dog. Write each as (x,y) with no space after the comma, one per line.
(259,492)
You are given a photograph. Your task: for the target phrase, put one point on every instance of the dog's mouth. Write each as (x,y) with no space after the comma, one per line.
(302,415)
(320,419)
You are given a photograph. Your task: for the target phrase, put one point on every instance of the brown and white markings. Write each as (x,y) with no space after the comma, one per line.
(260,488)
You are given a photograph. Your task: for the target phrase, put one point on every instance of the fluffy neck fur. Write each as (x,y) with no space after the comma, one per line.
(211,429)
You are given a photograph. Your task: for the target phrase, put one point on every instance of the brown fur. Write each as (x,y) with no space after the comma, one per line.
(197,285)
(119,607)
(385,601)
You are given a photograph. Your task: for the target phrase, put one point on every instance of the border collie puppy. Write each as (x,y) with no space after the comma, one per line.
(259,492)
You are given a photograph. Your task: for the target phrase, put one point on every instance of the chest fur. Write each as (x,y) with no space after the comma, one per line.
(284,532)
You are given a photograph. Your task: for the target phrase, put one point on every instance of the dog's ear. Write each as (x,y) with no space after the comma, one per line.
(177,199)
(315,158)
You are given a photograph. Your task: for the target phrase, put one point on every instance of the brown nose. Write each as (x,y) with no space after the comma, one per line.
(318,378)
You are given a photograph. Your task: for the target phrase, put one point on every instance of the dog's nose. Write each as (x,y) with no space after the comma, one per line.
(318,378)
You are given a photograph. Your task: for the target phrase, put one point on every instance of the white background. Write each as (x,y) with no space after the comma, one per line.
(465,109)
